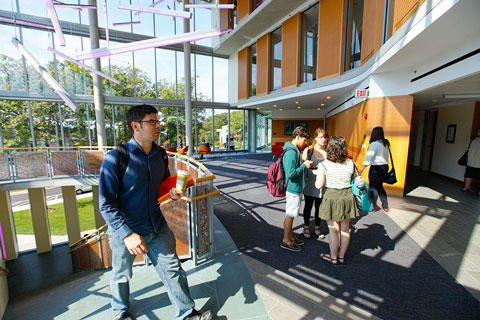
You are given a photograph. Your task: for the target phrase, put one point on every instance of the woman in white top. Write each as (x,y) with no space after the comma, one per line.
(338,205)
(377,158)
(473,163)
(316,153)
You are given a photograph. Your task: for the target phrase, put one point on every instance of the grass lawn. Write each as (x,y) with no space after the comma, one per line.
(56,218)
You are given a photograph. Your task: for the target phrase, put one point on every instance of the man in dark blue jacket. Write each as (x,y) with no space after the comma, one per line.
(135,223)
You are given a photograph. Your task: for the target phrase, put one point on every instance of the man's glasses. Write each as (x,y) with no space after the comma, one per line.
(151,122)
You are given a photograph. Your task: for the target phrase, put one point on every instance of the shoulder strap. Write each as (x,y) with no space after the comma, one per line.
(391,157)
(122,161)
(469,145)
(165,159)
(298,158)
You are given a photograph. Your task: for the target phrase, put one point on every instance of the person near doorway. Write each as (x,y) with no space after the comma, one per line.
(294,177)
(338,205)
(128,203)
(377,158)
(312,195)
(472,170)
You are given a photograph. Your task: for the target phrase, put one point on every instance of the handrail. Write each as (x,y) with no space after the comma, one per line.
(199,164)
(56,148)
(89,235)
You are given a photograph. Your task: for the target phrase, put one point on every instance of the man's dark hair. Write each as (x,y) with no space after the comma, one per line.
(337,149)
(137,113)
(301,131)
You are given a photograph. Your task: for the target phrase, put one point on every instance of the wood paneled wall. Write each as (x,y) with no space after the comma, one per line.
(291,34)
(403,11)
(373,12)
(394,114)
(278,128)
(331,38)
(243,74)
(244,8)
(263,64)
(224,17)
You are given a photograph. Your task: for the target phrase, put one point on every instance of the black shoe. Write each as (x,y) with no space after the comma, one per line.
(197,315)
(298,242)
(291,247)
(125,315)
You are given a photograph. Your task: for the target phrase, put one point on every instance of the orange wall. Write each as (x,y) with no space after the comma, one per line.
(331,38)
(278,128)
(224,17)
(394,114)
(373,12)
(403,11)
(291,52)
(263,64)
(244,8)
(243,65)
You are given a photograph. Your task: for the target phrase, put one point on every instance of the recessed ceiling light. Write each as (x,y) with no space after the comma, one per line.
(299,107)
(258,108)
(318,109)
(275,106)
(297,102)
(328,97)
(281,109)
(323,104)
(434,100)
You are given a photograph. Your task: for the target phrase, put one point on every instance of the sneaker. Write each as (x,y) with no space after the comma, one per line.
(298,242)
(291,247)
(125,315)
(197,315)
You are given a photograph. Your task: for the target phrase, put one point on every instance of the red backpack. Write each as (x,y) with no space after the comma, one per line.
(276,184)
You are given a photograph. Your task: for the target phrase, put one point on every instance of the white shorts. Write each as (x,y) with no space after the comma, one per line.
(293,204)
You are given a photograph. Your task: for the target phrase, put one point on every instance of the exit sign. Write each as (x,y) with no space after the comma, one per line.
(361,93)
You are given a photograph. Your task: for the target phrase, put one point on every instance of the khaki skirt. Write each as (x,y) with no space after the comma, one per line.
(338,205)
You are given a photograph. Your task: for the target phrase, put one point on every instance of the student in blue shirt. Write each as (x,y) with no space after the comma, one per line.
(135,223)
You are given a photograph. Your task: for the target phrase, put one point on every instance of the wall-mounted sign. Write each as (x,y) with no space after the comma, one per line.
(361,93)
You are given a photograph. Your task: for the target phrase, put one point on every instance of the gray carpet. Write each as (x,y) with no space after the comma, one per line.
(386,273)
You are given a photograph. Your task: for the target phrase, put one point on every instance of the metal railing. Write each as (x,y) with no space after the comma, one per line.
(18,164)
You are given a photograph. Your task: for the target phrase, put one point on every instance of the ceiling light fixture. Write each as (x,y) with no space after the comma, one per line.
(171,13)
(210,6)
(149,43)
(461,95)
(328,97)
(318,109)
(297,102)
(46,75)
(299,107)
(101,74)
(275,106)
(56,24)
(281,109)
(322,105)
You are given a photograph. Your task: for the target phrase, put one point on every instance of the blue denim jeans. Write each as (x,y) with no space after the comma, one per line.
(161,251)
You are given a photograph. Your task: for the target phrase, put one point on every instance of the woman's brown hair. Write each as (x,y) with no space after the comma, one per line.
(337,149)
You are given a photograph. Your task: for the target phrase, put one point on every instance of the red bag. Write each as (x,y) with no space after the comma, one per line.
(276,184)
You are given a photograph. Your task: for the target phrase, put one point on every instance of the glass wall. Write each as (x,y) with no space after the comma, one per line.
(264,130)
(253,69)
(388,20)
(150,73)
(309,44)
(276,63)
(353,37)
